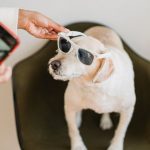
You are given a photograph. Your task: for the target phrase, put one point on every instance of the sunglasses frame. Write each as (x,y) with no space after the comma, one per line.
(73,45)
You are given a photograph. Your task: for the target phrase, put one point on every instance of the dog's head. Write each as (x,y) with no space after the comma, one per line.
(80,59)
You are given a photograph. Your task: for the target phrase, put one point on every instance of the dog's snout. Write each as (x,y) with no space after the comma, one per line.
(55,64)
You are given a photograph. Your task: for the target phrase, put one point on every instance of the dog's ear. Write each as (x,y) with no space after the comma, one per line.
(105,70)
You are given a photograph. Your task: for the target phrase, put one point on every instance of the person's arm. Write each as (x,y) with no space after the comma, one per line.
(33,22)
(39,25)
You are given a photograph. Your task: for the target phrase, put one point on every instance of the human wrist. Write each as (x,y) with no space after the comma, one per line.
(22,17)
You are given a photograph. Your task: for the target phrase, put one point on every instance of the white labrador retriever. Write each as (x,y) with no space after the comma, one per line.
(101,78)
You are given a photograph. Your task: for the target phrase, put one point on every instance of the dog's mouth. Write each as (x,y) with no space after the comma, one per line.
(57,74)
(60,75)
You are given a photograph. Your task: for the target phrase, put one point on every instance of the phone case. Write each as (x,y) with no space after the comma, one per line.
(14,36)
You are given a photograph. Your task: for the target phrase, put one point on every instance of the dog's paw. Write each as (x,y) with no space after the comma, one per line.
(106,123)
(115,147)
(80,146)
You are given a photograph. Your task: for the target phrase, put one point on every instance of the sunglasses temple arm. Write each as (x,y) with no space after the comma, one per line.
(106,55)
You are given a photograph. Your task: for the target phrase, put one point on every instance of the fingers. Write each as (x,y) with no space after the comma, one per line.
(58,28)
(43,33)
(2,68)
(43,27)
(48,36)
(38,25)
(5,73)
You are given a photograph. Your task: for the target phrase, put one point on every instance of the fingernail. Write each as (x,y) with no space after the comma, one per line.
(66,30)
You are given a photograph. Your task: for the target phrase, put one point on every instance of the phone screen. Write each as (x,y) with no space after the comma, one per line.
(7,43)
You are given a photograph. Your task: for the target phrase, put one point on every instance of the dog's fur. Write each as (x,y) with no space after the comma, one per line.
(105,86)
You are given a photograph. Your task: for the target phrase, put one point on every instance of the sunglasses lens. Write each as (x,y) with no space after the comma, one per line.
(64,45)
(85,57)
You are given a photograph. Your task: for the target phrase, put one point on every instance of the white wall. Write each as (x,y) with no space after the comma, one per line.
(130,18)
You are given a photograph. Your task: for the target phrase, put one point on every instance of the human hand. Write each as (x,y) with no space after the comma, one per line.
(39,25)
(5,73)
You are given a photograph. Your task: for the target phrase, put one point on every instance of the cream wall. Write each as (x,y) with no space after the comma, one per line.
(130,18)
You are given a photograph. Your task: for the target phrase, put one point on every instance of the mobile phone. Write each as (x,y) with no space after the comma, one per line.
(9,41)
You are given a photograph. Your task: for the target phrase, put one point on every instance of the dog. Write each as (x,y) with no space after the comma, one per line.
(101,78)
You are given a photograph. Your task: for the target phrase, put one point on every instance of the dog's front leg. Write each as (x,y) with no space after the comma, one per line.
(76,140)
(118,140)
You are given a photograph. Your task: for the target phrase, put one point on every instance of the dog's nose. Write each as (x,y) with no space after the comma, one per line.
(55,64)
